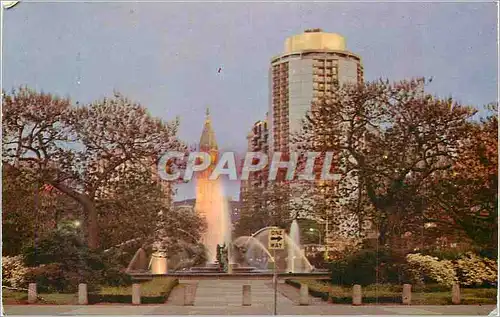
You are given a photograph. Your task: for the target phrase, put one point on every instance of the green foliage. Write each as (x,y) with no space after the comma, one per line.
(368,266)
(316,289)
(155,291)
(61,260)
(94,147)
(444,254)
(430,294)
(29,208)
(17,210)
(11,297)
(54,277)
(63,244)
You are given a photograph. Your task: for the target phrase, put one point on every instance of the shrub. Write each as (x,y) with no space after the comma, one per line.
(52,278)
(114,277)
(58,246)
(13,271)
(473,270)
(368,266)
(425,268)
(293,283)
(451,254)
(155,291)
(61,261)
(316,289)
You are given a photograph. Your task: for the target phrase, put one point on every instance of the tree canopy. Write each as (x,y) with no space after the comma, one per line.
(393,143)
(102,155)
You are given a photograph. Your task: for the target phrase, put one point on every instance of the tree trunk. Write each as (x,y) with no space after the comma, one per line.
(92,225)
(382,233)
(89,211)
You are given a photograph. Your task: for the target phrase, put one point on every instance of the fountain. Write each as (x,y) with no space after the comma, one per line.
(257,256)
(252,244)
(213,206)
(295,238)
(210,201)
(293,251)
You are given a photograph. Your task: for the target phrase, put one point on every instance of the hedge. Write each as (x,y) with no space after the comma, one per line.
(312,291)
(368,299)
(124,299)
(155,291)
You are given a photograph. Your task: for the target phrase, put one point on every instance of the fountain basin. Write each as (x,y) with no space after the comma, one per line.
(244,269)
(213,265)
(206,269)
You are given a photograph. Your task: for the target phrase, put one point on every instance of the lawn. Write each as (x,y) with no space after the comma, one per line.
(383,293)
(155,291)
(16,297)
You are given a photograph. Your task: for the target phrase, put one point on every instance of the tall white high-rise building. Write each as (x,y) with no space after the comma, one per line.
(312,64)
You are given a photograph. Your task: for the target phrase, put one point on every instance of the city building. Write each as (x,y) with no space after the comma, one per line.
(258,141)
(309,68)
(312,65)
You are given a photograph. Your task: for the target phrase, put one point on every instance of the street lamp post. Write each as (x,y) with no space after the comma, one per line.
(319,233)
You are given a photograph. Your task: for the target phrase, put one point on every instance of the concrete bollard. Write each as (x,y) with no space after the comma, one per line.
(247,295)
(82,294)
(304,295)
(32,295)
(136,294)
(455,294)
(406,294)
(189,290)
(356,295)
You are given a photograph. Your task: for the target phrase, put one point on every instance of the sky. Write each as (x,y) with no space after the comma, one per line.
(167,55)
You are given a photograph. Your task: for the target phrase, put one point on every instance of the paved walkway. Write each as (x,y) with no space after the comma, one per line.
(230,293)
(176,296)
(249,310)
(293,294)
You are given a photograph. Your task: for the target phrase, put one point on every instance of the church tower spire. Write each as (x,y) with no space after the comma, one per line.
(209,195)
(207,140)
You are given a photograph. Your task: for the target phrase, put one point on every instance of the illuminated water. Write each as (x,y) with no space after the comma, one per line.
(258,255)
(212,205)
(293,253)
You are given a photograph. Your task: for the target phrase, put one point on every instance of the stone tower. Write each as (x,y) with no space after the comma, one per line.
(210,202)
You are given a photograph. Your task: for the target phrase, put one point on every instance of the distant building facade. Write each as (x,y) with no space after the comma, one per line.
(258,141)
